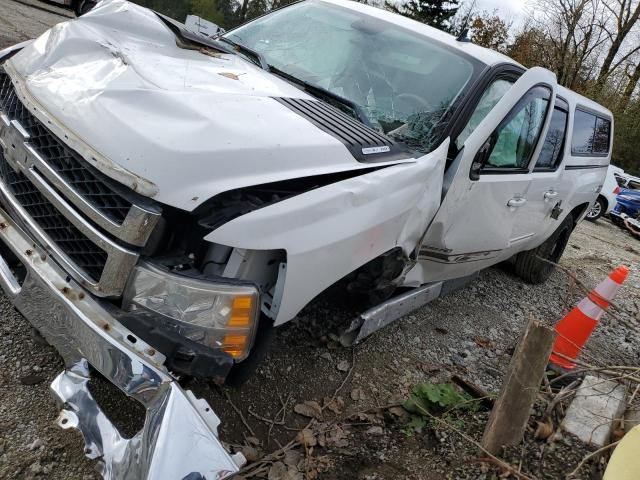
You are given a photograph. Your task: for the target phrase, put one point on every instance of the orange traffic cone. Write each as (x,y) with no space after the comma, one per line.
(576,327)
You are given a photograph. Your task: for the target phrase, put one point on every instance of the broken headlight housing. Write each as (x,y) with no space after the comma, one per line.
(221,316)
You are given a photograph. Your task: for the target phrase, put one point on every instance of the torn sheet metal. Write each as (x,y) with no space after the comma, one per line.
(176,441)
(189,122)
(333,230)
(179,437)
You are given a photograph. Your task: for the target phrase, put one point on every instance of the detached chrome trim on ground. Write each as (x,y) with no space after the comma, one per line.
(83,332)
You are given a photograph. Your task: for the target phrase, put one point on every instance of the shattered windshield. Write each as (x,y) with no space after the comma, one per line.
(403,82)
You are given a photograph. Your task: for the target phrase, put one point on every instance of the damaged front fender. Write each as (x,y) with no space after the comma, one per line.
(331,231)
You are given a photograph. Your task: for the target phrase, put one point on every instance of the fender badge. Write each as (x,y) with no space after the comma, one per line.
(370,150)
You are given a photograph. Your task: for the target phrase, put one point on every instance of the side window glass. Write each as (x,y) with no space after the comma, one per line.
(590,134)
(601,136)
(516,139)
(584,125)
(489,99)
(551,152)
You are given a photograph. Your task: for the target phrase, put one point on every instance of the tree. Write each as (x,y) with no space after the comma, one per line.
(437,13)
(491,31)
(207,9)
(625,17)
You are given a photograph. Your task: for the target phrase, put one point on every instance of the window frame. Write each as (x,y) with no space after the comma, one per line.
(567,109)
(460,118)
(597,115)
(527,97)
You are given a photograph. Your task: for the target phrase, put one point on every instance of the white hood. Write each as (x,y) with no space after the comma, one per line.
(180,125)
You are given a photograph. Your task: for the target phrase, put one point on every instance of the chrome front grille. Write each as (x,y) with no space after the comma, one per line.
(88,182)
(90,224)
(84,253)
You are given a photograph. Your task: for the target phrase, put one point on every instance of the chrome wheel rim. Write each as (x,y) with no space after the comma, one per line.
(595,210)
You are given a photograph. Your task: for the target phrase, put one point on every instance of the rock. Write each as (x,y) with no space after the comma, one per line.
(327,356)
(375,431)
(343,366)
(35,467)
(598,404)
(35,445)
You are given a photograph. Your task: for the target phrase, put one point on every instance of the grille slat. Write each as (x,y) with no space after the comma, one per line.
(84,179)
(82,251)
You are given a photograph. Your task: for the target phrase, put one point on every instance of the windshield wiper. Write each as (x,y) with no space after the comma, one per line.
(356,110)
(256,57)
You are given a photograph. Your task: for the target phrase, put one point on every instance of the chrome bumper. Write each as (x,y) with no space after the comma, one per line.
(179,438)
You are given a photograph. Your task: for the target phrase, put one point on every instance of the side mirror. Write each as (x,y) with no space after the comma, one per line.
(480,159)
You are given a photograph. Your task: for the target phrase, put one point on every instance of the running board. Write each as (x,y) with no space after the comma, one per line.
(396,307)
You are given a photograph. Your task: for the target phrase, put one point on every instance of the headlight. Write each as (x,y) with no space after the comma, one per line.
(218,315)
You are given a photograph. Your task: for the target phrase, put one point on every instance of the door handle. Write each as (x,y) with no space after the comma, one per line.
(550,194)
(516,202)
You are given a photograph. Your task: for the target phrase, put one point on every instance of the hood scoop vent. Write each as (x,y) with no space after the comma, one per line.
(365,144)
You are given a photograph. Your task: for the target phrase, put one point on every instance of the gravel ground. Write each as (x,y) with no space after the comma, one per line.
(470,333)
(27,19)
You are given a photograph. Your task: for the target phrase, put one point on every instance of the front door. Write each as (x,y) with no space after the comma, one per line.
(481,216)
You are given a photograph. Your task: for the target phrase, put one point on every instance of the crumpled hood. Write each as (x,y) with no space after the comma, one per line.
(176,124)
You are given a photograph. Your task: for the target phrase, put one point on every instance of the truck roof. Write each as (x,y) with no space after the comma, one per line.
(484,55)
(582,101)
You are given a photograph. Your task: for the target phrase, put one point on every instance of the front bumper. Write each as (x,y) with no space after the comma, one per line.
(179,437)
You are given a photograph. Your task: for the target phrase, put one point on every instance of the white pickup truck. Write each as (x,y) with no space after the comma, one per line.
(167,198)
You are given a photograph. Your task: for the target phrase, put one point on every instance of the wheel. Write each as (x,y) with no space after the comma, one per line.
(529,266)
(597,210)
(83,7)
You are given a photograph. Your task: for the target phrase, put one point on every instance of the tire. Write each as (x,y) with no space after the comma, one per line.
(598,209)
(84,7)
(528,265)
(241,372)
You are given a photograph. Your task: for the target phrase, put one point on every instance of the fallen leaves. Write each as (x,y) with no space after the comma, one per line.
(306,437)
(336,405)
(280,471)
(229,75)
(357,394)
(544,429)
(483,341)
(309,409)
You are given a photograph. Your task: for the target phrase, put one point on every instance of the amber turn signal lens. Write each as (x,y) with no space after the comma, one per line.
(234,345)
(240,312)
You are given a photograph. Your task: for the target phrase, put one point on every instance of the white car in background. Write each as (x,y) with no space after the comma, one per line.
(80,7)
(607,198)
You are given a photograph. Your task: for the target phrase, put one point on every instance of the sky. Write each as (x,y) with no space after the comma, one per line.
(512,9)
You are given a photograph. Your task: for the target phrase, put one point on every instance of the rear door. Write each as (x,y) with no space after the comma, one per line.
(544,208)
(481,215)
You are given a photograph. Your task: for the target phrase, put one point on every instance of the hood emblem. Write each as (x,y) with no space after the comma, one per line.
(370,150)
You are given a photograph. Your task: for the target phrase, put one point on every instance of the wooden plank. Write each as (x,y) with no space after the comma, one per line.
(512,409)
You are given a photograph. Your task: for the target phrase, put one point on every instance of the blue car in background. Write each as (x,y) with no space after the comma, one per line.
(627,205)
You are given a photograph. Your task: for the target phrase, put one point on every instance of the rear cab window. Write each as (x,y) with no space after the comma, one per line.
(591,134)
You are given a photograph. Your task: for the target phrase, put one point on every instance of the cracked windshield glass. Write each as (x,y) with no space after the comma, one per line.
(401,84)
